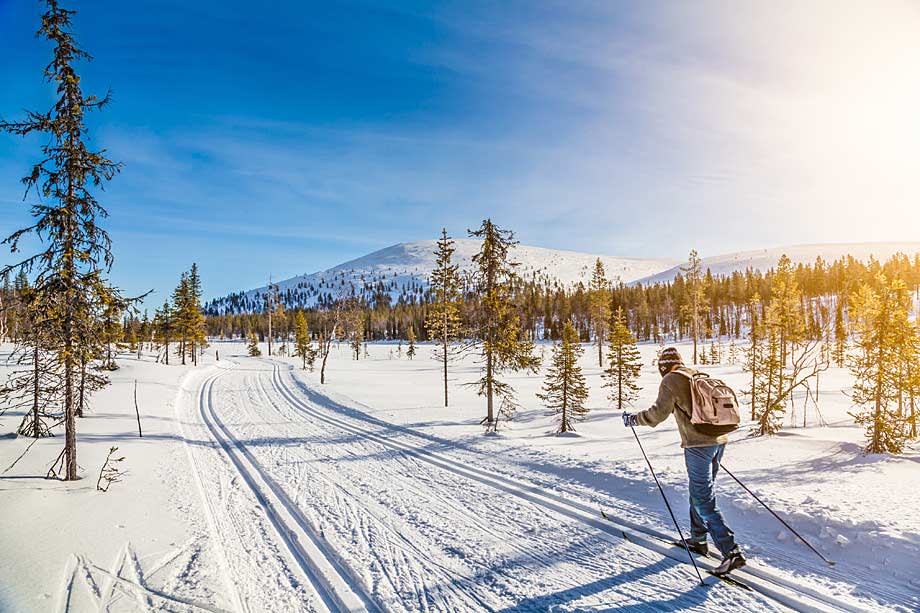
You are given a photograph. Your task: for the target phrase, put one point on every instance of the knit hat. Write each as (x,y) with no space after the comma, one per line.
(668,359)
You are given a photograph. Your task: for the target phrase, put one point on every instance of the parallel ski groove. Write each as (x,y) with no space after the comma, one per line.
(464,587)
(797,598)
(321,567)
(209,513)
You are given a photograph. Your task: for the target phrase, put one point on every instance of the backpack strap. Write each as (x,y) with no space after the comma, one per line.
(692,374)
(688,411)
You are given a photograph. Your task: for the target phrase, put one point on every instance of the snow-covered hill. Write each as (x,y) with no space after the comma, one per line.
(401,272)
(765,259)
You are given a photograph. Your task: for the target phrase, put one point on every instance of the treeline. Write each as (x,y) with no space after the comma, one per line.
(660,312)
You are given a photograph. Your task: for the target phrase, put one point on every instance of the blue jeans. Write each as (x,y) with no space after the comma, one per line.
(705,516)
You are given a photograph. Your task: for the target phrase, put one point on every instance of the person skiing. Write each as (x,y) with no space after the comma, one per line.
(702,455)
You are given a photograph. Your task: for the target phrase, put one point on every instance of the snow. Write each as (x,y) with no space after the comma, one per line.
(67,543)
(765,259)
(254,488)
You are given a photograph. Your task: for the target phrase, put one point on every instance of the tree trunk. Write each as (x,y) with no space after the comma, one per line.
(490,415)
(326,346)
(70,273)
(82,389)
(444,359)
(36,391)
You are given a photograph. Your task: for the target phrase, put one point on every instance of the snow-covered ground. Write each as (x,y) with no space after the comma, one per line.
(256,489)
(67,547)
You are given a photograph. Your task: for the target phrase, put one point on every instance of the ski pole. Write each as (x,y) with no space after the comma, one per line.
(772,512)
(668,504)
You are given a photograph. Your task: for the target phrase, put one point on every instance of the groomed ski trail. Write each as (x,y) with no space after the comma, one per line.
(427,538)
(781,590)
(273,561)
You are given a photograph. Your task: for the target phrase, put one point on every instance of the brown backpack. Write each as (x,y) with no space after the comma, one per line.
(715,405)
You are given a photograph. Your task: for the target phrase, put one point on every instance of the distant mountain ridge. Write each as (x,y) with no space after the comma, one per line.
(400,272)
(764,259)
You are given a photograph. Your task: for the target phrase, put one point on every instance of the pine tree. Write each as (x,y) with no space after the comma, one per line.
(754,355)
(913,382)
(495,322)
(410,336)
(783,330)
(76,249)
(303,345)
(181,310)
(252,345)
(599,296)
(565,390)
(624,363)
(880,322)
(840,335)
(193,317)
(769,415)
(163,330)
(443,321)
(696,291)
(704,357)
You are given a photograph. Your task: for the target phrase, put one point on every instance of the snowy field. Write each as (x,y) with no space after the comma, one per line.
(255,489)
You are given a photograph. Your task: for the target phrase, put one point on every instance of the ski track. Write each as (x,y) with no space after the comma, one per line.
(834,589)
(406,533)
(260,573)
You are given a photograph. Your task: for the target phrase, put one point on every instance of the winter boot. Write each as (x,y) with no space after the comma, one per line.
(700,548)
(735,559)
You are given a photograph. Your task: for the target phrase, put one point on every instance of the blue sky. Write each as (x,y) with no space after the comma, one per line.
(287,138)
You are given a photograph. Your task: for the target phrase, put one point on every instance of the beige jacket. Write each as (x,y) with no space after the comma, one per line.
(674,397)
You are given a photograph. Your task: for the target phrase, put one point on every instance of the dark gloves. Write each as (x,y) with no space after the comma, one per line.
(630,420)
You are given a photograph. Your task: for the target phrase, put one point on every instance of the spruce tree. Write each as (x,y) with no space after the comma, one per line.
(912,367)
(880,318)
(496,324)
(840,335)
(410,336)
(754,354)
(181,299)
(599,297)
(443,321)
(769,415)
(565,390)
(303,346)
(252,345)
(163,325)
(193,318)
(696,296)
(623,363)
(75,248)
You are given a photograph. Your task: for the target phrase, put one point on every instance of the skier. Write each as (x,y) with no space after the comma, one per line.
(702,454)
